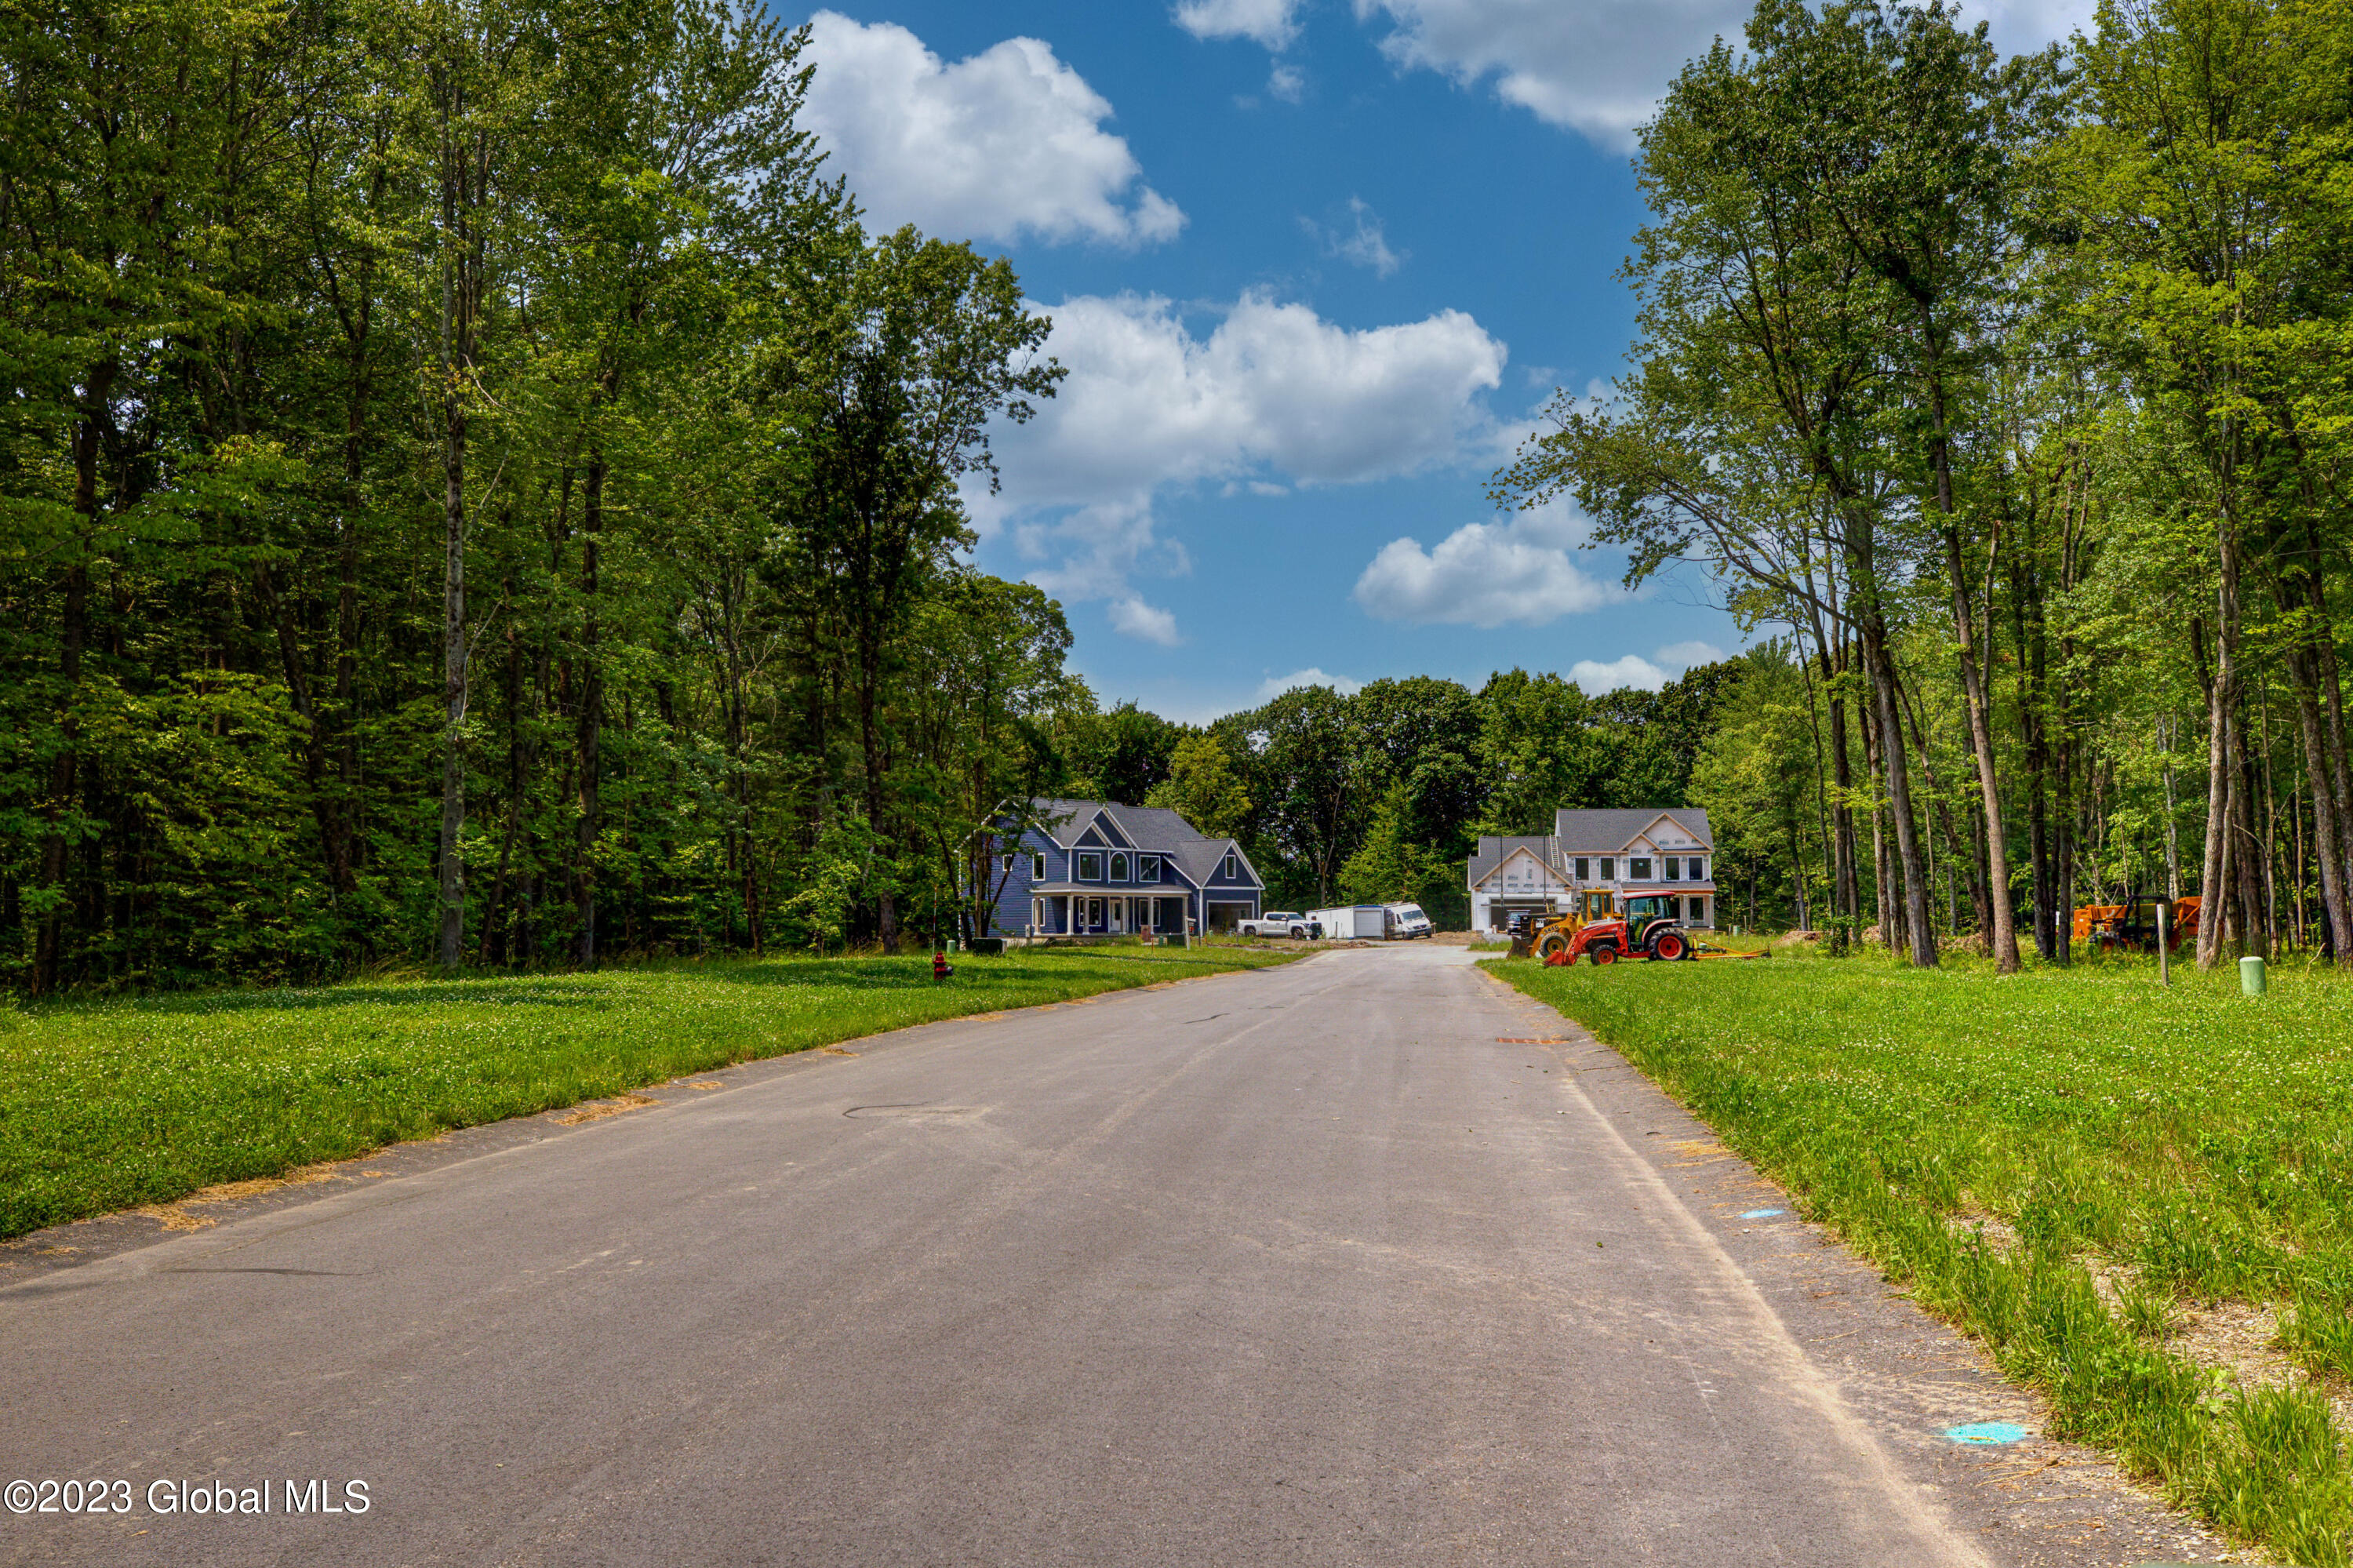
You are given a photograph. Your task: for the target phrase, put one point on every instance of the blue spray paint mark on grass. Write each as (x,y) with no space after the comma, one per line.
(1764,1214)
(1989,1432)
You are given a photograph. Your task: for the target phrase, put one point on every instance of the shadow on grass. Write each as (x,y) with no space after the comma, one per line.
(602,989)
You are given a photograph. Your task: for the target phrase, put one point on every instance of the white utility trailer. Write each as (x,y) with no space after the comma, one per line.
(1352,922)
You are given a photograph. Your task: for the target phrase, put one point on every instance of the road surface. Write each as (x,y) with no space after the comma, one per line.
(1306,1266)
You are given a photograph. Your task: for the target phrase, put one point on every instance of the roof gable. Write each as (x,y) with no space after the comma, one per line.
(1521,856)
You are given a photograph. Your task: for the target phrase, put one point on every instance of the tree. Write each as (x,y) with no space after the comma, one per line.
(1201,788)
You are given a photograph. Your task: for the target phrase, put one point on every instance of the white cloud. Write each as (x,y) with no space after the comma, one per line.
(1275,394)
(1684,656)
(1366,244)
(1274,23)
(1486,574)
(1595,678)
(1633,670)
(1007,142)
(1598,67)
(1131,617)
(1274,686)
(1288,83)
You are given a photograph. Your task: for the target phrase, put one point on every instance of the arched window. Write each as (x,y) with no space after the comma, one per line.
(1119,868)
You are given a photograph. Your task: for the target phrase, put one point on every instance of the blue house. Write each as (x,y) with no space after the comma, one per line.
(1094,868)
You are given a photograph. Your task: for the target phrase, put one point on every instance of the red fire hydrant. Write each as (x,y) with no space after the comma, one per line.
(941,967)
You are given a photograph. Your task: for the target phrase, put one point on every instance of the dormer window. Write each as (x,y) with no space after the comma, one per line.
(1119,868)
(1090,866)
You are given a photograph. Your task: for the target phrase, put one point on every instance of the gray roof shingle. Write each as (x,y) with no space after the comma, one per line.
(1608,831)
(1155,830)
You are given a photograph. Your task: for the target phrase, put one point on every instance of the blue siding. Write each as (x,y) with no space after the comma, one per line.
(1012,908)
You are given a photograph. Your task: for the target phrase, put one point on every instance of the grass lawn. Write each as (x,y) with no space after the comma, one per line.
(2076,1166)
(108,1104)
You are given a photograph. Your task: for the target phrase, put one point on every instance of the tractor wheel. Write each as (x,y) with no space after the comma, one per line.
(1552,948)
(1669,946)
(1605,954)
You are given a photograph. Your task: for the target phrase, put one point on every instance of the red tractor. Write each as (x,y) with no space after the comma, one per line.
(1599,933)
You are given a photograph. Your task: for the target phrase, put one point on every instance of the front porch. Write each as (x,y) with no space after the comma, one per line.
(1107,913)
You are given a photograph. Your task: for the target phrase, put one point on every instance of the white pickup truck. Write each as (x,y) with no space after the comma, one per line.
(1275,922)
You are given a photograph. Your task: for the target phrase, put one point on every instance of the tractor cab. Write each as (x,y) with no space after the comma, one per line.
(1644,913)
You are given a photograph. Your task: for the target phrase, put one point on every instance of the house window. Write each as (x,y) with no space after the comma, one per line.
(1699,871)
(1637,869)
(1233,867)
(1609,868)
(1675,865)
(1148,868)
(1119,868)
(1091,865)
(1698,910)
(1584,870)
(1009,862)
(1037,868)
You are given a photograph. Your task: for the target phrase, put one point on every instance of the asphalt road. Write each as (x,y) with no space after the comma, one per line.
(1298,1266)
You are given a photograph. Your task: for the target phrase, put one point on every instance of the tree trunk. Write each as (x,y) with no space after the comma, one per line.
(2328,828)
(88,434)
(589,734)
(2221,700)
(870,740)
(2004,932)
(453,687)
(1920,935)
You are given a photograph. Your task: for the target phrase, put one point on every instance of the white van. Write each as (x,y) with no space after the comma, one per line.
(1405,921)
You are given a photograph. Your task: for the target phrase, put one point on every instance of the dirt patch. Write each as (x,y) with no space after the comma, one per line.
(176,1217)
(597,1110)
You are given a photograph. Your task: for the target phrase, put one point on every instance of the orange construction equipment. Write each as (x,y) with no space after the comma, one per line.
(2132,927)
(1597,931)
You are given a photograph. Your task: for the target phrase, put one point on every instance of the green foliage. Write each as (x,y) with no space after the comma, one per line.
(1202,789)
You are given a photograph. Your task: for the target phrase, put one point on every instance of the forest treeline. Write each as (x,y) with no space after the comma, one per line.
(476,492)
(2014,393)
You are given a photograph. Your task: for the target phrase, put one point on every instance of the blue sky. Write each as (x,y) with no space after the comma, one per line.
(1314,267)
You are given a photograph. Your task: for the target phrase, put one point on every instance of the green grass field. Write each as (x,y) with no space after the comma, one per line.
(108,1105)
(2070,1164)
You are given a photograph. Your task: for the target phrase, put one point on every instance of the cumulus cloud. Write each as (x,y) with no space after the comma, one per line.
(1272,395)
(1366,243)
(1274,23)
(1594,678)
(1274,686)
(1006,144)
(1288,83)
(1516,572)
(1147,623)
(1598,67)
(1684,656)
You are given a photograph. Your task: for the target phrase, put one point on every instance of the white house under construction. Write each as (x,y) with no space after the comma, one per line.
(1665,852)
